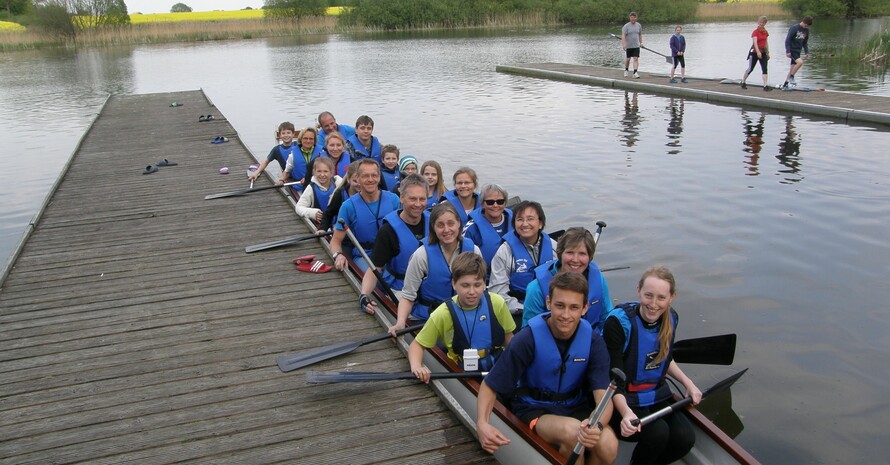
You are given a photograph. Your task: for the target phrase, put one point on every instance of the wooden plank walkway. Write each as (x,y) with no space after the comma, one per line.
(135,328)
(846,106)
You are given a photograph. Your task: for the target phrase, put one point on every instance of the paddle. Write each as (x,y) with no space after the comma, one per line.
(316,377)
(598,413)
(713,350)
(722,385)
(285,242)
(555,235)
(667,58)
(357,245)
(247,191)
(305,358)
(614,268)
(599,230)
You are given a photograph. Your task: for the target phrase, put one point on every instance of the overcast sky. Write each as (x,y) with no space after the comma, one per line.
(163,6)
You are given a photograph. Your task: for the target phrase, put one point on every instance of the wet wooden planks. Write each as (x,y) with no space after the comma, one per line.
(846,106)
(133,327)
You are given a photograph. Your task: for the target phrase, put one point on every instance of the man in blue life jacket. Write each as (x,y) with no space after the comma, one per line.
(397,239)
(328,124)
(363,213)
(544,372)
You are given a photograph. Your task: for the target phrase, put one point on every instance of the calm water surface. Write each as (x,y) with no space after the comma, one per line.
(775,224)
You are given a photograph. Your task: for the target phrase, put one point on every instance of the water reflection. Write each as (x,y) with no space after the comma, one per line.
(789,153)
(676,107)
(631,120)
(753,142)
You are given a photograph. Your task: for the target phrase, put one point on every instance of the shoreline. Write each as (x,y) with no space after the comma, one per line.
(237,29)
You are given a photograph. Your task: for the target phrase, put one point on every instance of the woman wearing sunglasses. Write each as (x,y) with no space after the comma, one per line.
(488,224)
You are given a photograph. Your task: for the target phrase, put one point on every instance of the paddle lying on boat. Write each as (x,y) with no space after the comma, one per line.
(598,412)
(285,242)
(712,350)
(614,268)
(722,385)
(358,245)
(305,358)
(316,377)
(667,58)
(248,191)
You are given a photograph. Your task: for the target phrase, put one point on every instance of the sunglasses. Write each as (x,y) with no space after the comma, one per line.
(495,201)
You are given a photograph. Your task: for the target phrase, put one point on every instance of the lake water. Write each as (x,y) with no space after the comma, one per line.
(774,224)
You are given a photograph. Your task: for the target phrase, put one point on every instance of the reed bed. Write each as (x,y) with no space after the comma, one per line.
(873,51)
(740,11)
(192,31)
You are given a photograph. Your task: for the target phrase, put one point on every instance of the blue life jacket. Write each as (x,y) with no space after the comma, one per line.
(645,379)
(523,270)
(451,196)
(345,130)
(321,198)
(491,240)
(358,151)
(301,168)
(595,315)
(391,177)
(476,329)
(282,153)
(432,201)
(367,224)
(408,244)
(436,287)
(552,379)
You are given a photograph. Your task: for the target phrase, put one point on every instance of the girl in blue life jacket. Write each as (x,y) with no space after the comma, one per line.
(640,338)
(432,172)
(428,277)
(316,197)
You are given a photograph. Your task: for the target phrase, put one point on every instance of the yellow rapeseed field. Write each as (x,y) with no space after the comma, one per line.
(197,16)
(6,26)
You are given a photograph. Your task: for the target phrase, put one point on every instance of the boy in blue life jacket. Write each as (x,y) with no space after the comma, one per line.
(475,323)
(285,148)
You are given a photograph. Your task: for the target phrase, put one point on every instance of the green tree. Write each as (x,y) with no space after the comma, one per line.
(180,8)
(293,8)
(52,17)
(16,7)
(98,13)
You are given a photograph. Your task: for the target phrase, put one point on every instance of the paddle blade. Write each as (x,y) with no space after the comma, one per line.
(723,385)
(711,350)
(315,377)
(303,359)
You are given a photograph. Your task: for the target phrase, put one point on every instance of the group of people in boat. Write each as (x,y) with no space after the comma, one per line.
(495,291)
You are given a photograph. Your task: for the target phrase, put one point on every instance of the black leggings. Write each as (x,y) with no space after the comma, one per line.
(663,441)
(752,60)
(679,60)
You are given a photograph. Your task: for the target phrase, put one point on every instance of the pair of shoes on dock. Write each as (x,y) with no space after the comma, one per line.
(203,118)
(153,168)
(683,80)
(219,140)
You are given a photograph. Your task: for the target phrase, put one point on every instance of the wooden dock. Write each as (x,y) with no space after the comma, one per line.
(135,328)
(845,106)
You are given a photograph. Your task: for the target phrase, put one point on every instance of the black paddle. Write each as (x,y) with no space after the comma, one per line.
(357,245)
(285,242)
(713,350)
(316,377)
(722,385)
(305,358)
(555,235)
(614,268)
(247,191)
(667,58)
(598,412)
(599,230)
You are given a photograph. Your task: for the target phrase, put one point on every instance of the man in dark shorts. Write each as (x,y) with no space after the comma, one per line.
(632,41)
(553,360)
(796,42)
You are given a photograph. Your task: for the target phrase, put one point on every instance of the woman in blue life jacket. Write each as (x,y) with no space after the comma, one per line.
(335,148)
(316,197)
(463,196)
(299,162)
(490,223)
(428,277)
(432,172)
(575,250)
(524,248)
(640,337)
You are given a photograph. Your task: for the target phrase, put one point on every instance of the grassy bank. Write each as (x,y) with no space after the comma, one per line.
(874,51)
(740,11)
